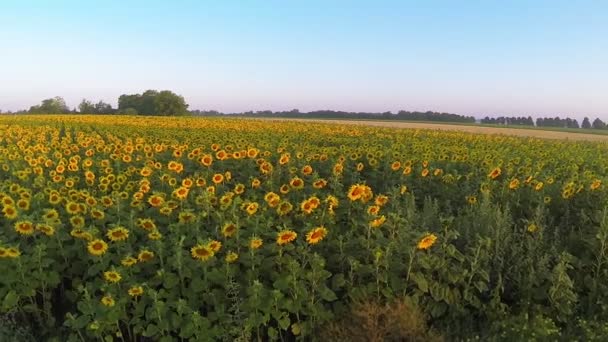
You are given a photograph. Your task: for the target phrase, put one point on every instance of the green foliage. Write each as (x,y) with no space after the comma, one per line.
(55,105)
(152,102)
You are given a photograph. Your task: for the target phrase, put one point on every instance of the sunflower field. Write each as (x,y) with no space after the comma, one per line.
(117,228)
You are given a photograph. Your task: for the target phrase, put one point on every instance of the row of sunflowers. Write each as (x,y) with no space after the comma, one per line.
(161,229)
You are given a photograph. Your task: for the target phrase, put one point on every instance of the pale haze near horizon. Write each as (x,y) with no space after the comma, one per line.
(540,58)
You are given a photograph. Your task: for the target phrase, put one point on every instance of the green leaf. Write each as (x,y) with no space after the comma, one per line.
(284,322)
(151,330)
(10,301)
(327,294)
(420,281)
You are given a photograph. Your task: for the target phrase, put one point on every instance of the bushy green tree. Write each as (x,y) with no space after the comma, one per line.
(153,102)
(55,105)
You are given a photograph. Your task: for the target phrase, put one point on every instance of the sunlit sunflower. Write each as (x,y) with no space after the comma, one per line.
(286,236)
(145,255)
(255,243)
(215,245)
(108,301)
(229,229)
(495,173)
(128,261)
(252,208)
(375,223)
(118,234)
(396,165)
(427,241)
(136,291)
(155,235)
(156,201)
(112,276)
(97,247)
(46,229)
(315,235)
(373,210)
(10,212)
(24,227)
(201,252)
(231,257)
(12,252)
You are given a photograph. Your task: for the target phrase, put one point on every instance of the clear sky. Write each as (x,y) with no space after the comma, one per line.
(468,57)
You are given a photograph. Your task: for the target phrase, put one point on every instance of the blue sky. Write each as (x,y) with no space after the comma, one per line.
(469,57)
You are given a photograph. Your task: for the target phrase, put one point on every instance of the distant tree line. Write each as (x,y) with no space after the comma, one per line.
(545,122)
(331,114)
(150,102)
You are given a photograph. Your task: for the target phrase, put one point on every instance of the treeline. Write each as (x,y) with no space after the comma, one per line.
(150,102)
(331,114)
(545,122)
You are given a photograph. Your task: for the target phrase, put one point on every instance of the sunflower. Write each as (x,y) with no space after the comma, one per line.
(128,261)
(112,276)
(217,178)
(156,201)
(407,170)
(206,160)
(539,186)
(24,227)
(145,255)
(10,212)
(307,207)
(108,301)
(46,229)
(373,210)
(72,208)
(396,165)
(381,200)
(319,184)
(286,236)
(255,243)
(180,193)
(97,247)
(186,217)
(136,291)
(284,208)
(375,223)
(214,245)
(155,235)
(427,241)
(12,252)
(355,192)
(146,224)
(3,252)
(514,184)
(595,185)
(239,189)
(296,183)
(252,208)
(471,199)
(201,252)
(118,234)
(495,173)
(425,172)
(231,257)
(315,235)
(532,228)
(229,229)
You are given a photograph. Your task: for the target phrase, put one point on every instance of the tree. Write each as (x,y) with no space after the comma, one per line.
(86,107)
(55,105)
(598,124)
(153,102)
(586,124)
(167,103)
